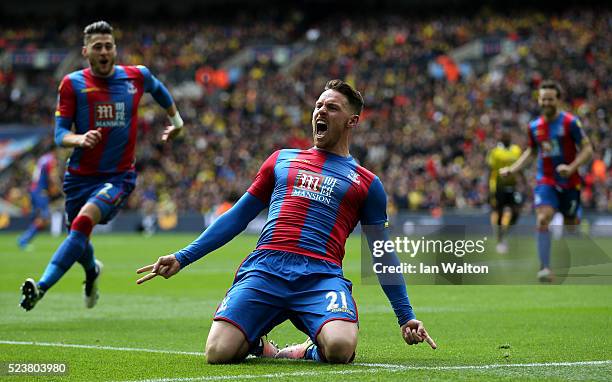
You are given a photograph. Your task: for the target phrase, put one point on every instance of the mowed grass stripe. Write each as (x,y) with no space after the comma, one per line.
(376,369)
(98,347)
(473,325)
(371,365)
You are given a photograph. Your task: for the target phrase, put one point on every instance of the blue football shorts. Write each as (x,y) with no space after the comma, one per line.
(566,201)
(271,287)
(40,205)
(108,193)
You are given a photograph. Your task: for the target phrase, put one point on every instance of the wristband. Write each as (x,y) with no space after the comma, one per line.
(176,120)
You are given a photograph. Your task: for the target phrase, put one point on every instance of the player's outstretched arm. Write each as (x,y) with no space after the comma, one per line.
(412,330)
(165,266)
(375,227)
(525,158)
(162,96)
(224,229)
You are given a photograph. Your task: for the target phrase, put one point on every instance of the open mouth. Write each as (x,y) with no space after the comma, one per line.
(321,128)
(104,61)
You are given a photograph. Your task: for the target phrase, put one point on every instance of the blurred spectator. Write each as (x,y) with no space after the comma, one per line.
(426,136)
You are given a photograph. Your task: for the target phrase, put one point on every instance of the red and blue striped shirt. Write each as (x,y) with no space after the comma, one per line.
(557,142)
(111,105)
(316,199)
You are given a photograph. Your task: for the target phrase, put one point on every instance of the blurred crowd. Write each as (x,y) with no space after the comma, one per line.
(426,136)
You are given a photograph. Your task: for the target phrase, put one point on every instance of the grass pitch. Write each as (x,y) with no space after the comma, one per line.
(157,331)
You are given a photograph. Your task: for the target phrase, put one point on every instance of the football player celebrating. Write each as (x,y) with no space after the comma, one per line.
(561,146)
(315,198)
(102,103)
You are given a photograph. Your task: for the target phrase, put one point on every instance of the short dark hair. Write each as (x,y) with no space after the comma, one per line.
(354,97)
(554,85)
(98,27)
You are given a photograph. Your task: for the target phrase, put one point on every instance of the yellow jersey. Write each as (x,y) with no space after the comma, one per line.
(502,156)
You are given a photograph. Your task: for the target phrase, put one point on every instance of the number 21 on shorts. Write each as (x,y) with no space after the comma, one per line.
(333,298)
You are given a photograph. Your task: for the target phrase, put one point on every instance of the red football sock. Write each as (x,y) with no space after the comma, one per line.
(82,224)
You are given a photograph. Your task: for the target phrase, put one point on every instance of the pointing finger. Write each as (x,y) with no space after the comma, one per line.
(431,342)
(423,334)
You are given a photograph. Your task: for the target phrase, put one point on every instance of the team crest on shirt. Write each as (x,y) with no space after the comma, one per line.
(314,186)
(352,175)
(131,88)
(109,114)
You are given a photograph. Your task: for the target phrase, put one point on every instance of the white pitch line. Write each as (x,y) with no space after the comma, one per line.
(98,347)
(262,376)
(375,369)
(502,365)
(367,367)
(161,351)
(383,365)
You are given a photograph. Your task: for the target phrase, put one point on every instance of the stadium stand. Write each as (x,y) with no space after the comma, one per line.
(436,90)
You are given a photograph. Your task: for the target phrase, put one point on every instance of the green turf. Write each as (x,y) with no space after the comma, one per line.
(473,325)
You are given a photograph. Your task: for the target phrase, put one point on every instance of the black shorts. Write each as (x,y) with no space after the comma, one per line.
(506,198)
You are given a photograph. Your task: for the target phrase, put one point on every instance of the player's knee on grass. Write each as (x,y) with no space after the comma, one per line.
(338,341)
(225,344)
(340,350)
(217,352)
